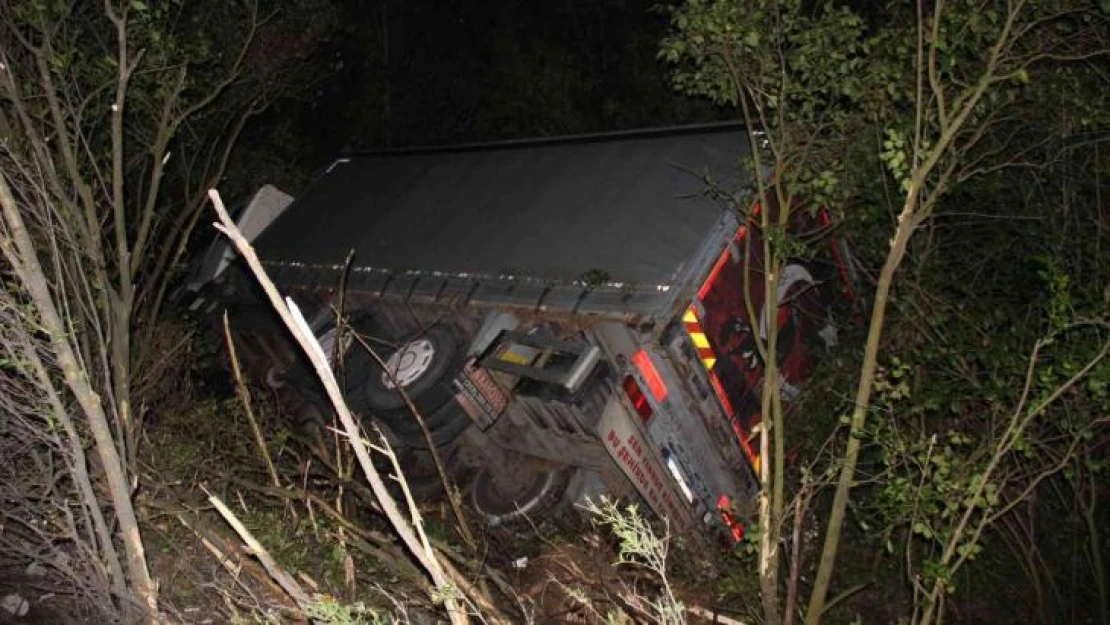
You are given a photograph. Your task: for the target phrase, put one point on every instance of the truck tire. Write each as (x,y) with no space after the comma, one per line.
(424,367)
(444,426)
(517,494)
(420,472)
(317,407)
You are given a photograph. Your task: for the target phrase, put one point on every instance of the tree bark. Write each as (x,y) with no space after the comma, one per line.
(25,262)
(906,225)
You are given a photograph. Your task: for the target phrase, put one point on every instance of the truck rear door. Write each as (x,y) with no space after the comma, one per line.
(724,333)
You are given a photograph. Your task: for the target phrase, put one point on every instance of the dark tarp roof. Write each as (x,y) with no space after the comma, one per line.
(631,206)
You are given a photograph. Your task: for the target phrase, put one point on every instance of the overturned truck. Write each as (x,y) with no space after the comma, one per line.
(568,316)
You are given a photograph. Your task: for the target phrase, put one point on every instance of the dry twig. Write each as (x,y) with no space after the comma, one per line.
(245,398)
(412,535)
(280,575)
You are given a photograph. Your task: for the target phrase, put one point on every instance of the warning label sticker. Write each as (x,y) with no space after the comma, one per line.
(479,395)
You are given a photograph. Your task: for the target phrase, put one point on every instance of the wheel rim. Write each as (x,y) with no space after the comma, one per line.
(505,497)
(408,363)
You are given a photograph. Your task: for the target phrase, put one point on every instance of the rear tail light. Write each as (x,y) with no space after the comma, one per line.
(647,369)
(735,527)
(637,397)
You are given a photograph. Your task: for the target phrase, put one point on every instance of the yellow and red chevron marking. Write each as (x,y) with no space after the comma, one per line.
(705,354)
(701,341)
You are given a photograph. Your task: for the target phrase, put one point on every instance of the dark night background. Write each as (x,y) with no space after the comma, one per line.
(423,73)
(419,73)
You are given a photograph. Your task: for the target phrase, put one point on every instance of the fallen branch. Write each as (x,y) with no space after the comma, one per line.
(283,578)
(712,616)
(298,494)
(481,569)
(235,567)
(489,610)
(413,536)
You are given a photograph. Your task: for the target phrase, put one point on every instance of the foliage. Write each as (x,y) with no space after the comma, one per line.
(328,611)
(638,544)
(797,76)
(54,538)
(114,117)
(919,112)
(422,73)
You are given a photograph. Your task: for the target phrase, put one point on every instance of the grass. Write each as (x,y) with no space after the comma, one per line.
(208,444)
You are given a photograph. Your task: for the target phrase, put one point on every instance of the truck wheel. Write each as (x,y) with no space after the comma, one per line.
(424,367)
(444,425)
(420,472)
(511,494)
(303,378)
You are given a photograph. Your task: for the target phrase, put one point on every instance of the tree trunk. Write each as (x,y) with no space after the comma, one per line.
(25,262)
(906,225)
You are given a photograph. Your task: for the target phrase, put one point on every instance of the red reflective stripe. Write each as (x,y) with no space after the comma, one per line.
(741,232)
(713,275)
(725,403)
(742,436)
(752,454)
(643,362)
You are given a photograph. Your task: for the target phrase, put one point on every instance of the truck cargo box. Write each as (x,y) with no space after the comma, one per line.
(606,224)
